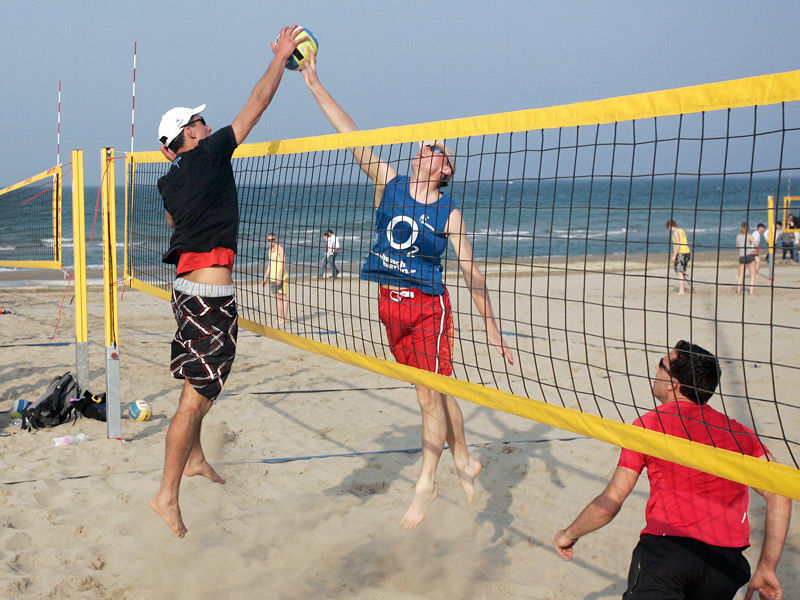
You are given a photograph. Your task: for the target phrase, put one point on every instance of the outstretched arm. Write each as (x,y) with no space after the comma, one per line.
(476,282)
(764,579)
(379,171)
(266,87)
(598,512)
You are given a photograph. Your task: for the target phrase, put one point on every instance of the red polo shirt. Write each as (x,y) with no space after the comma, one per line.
(686,502)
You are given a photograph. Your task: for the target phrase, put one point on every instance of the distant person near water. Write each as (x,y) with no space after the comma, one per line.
(331,252)
(681,254)
(788,241)
(414,219)
(747,258)
(202,206)
(278,277)
(696,523)
(758,237)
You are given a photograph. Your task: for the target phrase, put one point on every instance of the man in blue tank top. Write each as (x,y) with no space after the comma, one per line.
(413,221)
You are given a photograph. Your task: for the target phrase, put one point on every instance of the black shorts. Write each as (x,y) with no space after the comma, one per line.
(205,342)
(684,568)
(746,260)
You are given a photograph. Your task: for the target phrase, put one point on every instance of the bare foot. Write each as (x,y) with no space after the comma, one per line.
(204,469)
(416,512)
(468,476)
(171,513)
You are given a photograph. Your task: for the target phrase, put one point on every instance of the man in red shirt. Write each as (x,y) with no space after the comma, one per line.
(697,526)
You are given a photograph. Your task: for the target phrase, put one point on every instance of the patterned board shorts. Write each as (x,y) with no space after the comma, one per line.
(682,263)
(204,345)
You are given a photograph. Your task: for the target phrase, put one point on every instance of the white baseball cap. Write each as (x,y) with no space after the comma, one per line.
(448,154)
(174,120)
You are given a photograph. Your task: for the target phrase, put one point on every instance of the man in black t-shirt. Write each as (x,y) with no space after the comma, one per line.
(201,204)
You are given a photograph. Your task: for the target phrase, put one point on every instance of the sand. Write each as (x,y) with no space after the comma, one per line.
(76,522)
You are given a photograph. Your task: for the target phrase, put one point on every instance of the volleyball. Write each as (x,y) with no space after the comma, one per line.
(140,410)
(19,405)
(298,57)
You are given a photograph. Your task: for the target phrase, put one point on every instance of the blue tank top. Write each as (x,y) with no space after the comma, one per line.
(410,240)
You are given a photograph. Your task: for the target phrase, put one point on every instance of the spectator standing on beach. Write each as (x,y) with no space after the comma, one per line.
(331,251)
(776,239)
(758,237)
(747,258)
(278,277)
(696,524)
(786,241)
(201,203)
(414,219)
(681,254)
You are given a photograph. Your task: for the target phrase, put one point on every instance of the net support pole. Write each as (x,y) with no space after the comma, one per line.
(771,236)
(113,410)
(79,271)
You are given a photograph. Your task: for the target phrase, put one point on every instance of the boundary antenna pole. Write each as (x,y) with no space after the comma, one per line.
(79,268)
(58,133)
(133,95)
(113,412)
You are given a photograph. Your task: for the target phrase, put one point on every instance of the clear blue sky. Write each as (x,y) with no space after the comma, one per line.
(388,63)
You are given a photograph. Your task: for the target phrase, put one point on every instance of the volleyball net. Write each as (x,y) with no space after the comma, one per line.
(30,230)
(566,211)
(32,237)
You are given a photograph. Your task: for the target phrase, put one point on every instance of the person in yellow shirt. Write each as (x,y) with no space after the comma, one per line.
(278,277)
(681,253)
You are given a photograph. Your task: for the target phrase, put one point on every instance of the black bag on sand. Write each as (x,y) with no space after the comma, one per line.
(53,406)
(91,406)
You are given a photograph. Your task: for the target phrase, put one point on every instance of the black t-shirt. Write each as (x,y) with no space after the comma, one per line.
(199,193)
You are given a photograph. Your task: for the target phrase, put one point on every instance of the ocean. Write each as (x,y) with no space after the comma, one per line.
(507,220)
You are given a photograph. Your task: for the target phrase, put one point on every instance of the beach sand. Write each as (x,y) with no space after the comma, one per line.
(76,523)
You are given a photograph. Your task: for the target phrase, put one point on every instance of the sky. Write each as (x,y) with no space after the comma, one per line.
(387,63)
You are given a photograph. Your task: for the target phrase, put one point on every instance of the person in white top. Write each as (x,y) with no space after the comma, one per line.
(331,251)
(758,236)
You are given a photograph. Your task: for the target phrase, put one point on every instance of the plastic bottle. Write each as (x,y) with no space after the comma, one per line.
(70,440)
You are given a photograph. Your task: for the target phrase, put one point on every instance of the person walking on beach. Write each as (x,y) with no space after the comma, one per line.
(758,237)
(747,258)
(278,277)
(696,524)
(331,251)
(414,218)
(201,203)
(681,253)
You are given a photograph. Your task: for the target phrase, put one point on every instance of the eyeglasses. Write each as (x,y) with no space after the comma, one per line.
(666,370)
(197,120)
(434,149)
(270,240)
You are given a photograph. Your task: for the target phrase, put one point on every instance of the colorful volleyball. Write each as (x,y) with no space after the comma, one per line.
(18,406)
(140,410)
(298,58)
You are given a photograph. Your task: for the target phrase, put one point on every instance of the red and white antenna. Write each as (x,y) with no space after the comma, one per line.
(133,94)
(58,134)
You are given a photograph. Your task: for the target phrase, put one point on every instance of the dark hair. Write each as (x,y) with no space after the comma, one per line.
(671,224)
(177,143)
(779,223)
(761,225)
(330,231)
(697,370)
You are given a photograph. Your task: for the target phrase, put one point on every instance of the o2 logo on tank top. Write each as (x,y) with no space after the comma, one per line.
(411,229)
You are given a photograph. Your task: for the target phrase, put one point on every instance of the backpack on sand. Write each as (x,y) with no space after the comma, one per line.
(53,406)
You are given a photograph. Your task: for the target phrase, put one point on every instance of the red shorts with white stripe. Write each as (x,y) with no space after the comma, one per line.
(419,328)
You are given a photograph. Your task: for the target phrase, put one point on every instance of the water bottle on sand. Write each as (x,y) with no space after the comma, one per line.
(70,440)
